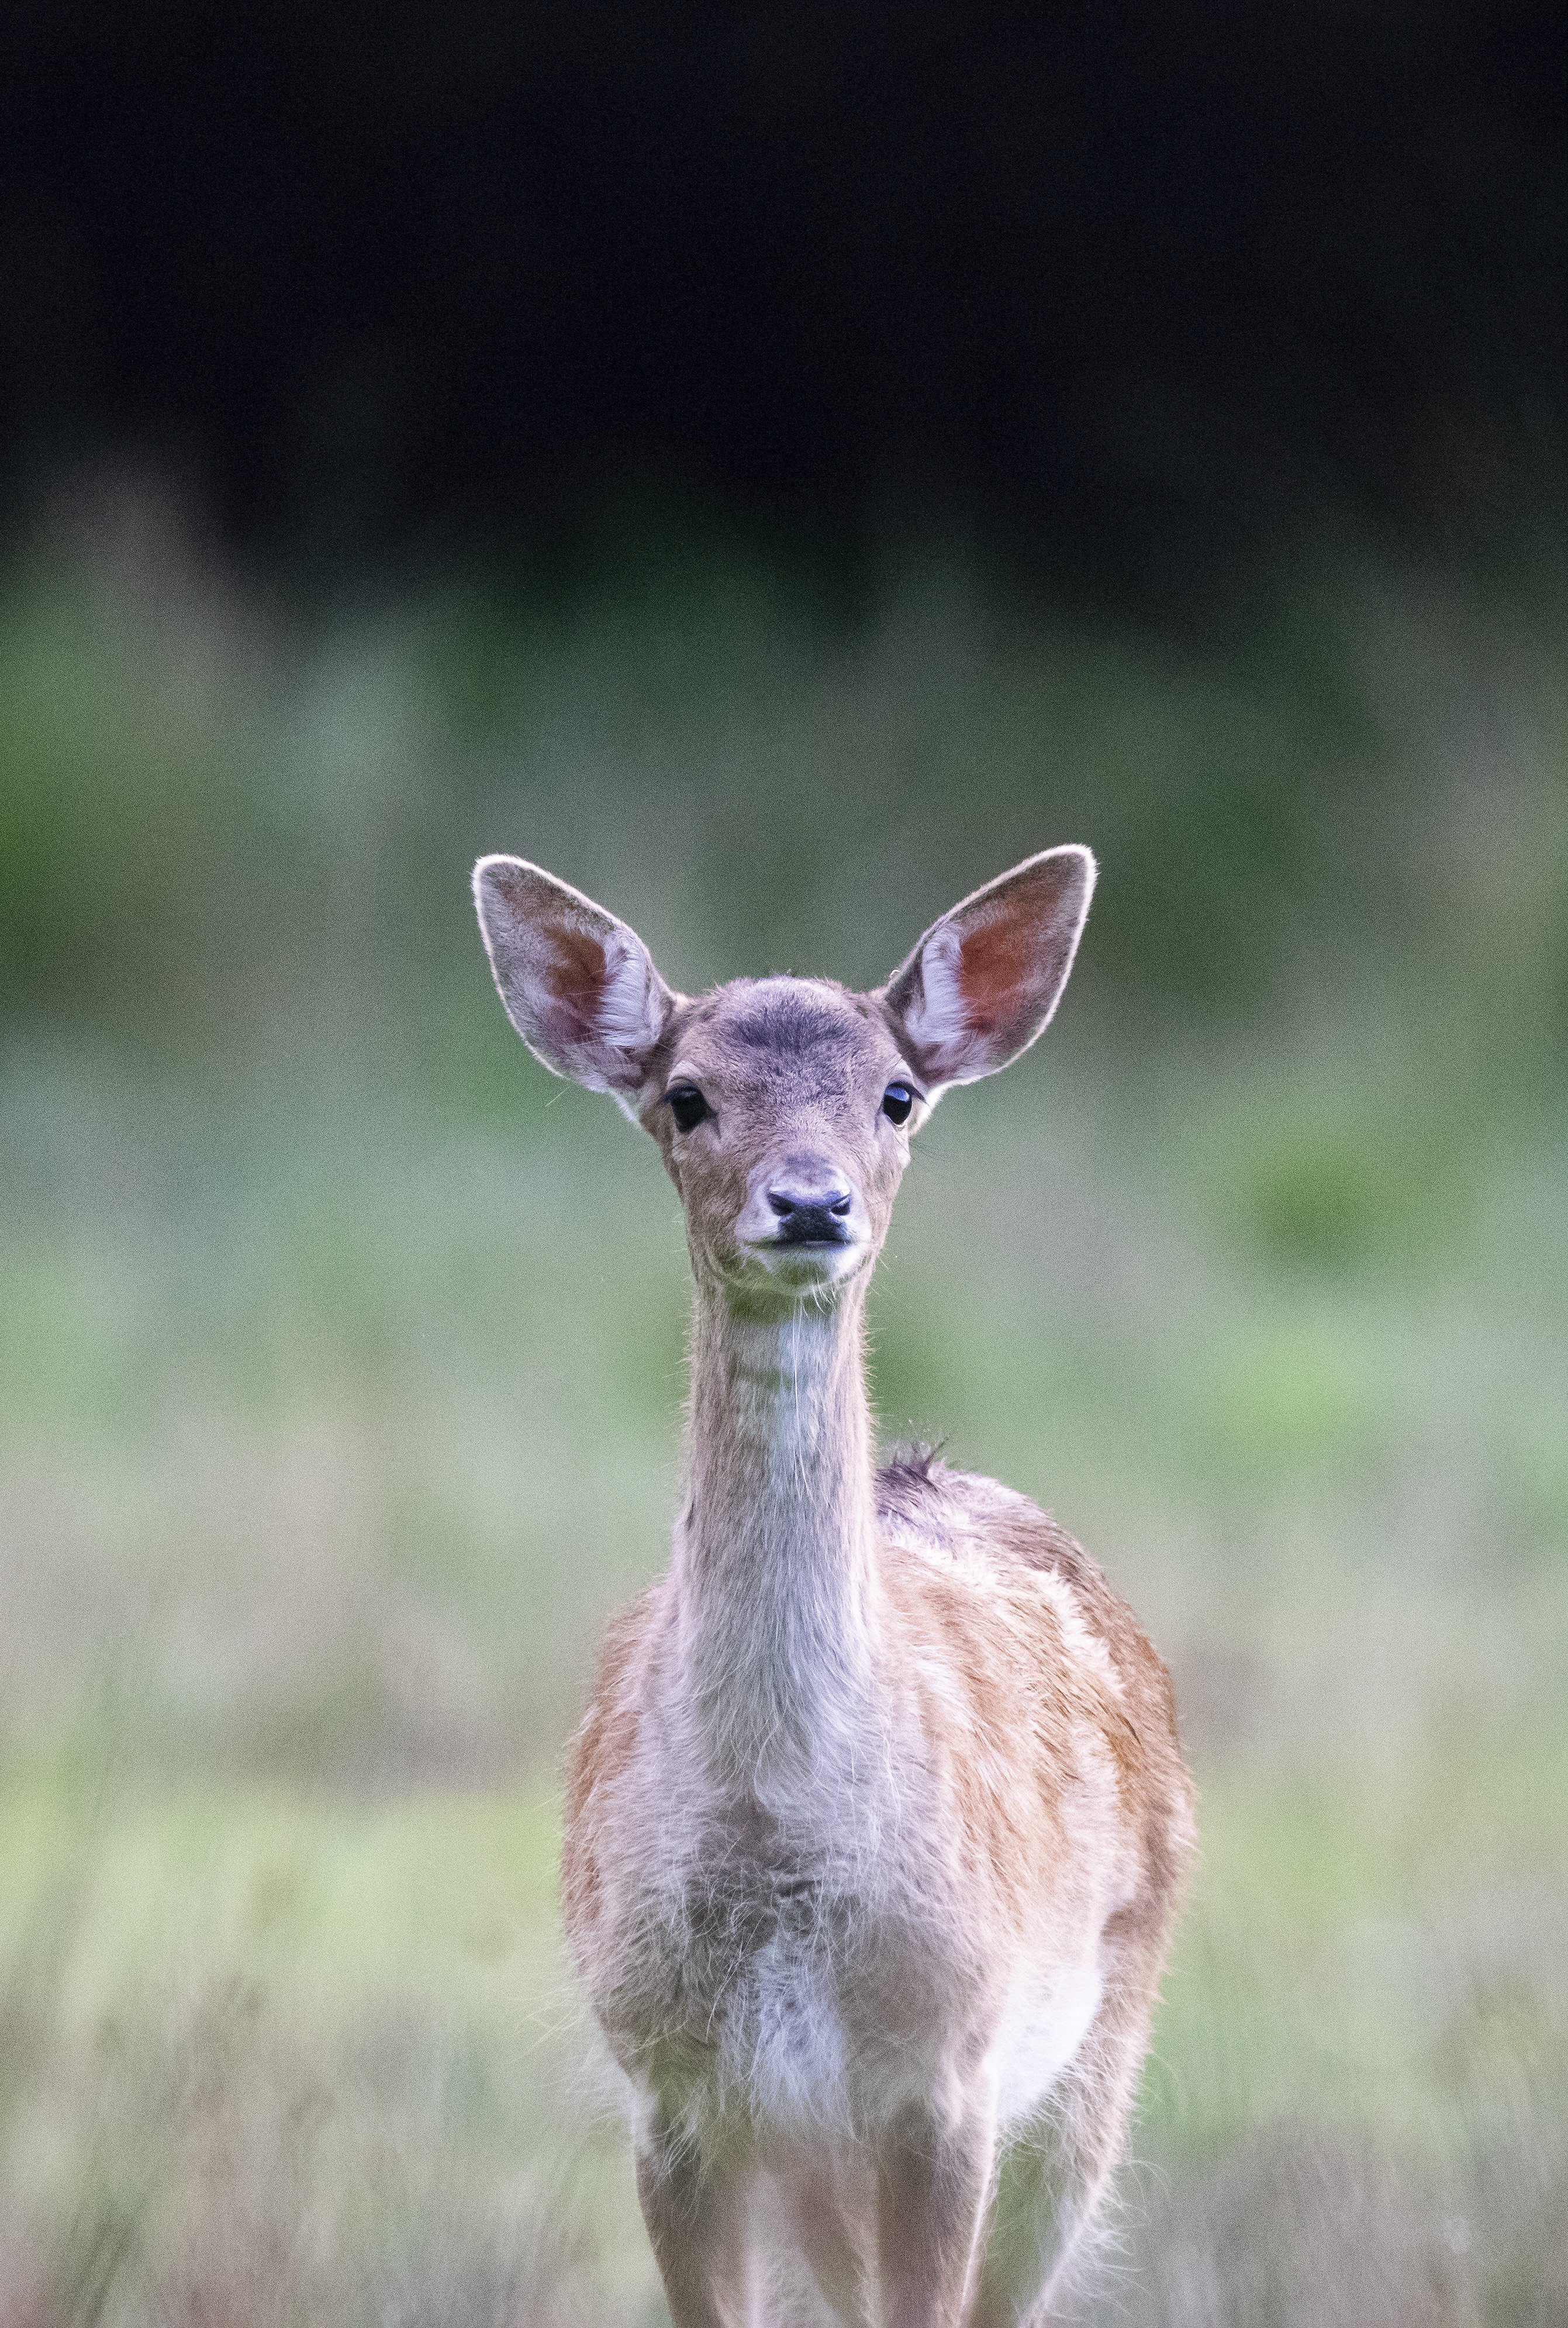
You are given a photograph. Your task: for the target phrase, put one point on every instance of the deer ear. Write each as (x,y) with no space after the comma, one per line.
(984,979)
(579,986)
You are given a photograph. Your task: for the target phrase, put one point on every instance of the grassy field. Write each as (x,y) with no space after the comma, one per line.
(341,1360)
(309,2060)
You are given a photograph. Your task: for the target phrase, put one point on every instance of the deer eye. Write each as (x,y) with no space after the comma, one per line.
(897,1101)
(688,1107)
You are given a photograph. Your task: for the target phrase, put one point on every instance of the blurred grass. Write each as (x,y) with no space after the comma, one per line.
(341,1362)
(353,2015)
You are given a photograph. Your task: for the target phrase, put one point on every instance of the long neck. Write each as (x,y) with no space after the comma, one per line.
(774,1561)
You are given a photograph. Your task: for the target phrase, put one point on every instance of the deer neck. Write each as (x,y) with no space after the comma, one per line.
(774,1558)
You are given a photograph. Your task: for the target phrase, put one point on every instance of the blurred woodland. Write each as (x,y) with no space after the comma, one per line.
(776,469)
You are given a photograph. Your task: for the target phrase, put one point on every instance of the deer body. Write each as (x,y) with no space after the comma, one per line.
(875,1825)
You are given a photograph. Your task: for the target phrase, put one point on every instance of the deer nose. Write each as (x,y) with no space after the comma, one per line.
(808,1215)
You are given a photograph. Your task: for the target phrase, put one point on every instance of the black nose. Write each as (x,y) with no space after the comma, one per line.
(810,1216)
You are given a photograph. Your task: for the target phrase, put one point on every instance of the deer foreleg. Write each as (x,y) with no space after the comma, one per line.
(697,2214)
(932,2185)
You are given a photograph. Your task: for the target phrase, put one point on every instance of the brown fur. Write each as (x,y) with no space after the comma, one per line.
(876,1824)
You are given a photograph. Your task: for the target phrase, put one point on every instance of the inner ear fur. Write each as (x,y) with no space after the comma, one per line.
(983,981)
(578,984)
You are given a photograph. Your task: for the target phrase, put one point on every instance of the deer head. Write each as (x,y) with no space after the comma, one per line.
(783,1107)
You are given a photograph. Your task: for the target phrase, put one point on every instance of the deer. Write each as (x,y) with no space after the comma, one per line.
(876,1828)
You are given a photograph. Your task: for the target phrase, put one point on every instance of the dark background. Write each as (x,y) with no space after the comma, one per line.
(1130,289)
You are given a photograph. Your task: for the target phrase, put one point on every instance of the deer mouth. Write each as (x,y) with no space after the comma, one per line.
(805,1227)
(816,1227)
(805,1262)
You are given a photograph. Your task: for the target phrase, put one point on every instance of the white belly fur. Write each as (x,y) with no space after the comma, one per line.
(782,2050)
(783,2057)
(1048,2018)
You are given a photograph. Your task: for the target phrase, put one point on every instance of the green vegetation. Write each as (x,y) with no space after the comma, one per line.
(341,1363)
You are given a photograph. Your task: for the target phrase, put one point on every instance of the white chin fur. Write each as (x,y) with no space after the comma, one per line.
(805,1265)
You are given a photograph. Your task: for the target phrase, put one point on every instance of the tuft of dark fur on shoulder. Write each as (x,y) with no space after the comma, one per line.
(910,1474)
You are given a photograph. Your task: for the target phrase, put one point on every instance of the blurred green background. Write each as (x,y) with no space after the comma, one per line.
(341,1358)
(776,474)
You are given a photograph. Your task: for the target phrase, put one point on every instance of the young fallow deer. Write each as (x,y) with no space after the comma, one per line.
(876,1822)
